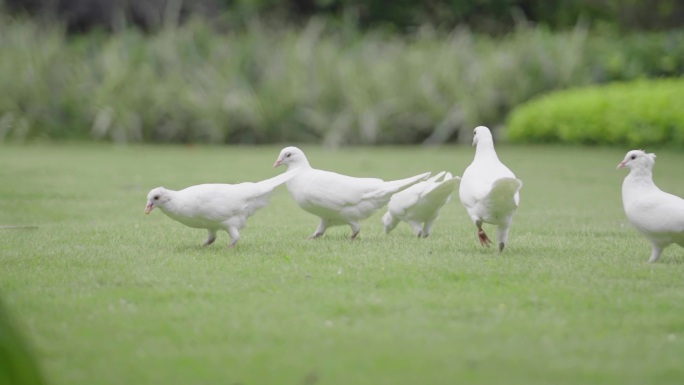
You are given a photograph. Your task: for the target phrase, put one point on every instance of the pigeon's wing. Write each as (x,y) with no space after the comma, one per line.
(437,177)
(250,197)
(439,192)
(204,202)
(219,202)
(663,213)
(504,191)
(388,188)
(404,200)
(674,221)
(427,196)
(332,191)
(253,197)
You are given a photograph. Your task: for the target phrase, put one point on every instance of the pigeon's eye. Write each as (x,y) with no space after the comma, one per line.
(287,155)
(633,157)
(156,197)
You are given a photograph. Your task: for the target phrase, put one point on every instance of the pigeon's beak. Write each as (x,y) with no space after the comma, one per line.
(621,165)
(148,208)
(277,163)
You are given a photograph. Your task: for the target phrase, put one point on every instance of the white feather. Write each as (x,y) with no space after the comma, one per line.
(657,215)
(335,198)
(489,190)
(215,206)
(419,205)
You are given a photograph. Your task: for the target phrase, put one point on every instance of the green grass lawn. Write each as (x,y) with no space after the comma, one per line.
(108,295)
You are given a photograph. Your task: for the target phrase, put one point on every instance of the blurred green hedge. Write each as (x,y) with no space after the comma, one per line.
(639,113)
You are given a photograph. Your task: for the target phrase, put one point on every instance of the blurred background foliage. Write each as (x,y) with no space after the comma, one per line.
(322,71)
(398,15)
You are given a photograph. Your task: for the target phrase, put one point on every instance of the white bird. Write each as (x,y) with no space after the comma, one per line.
(489,190)
(657,215)
(419,204)
(215,206)
(335,198)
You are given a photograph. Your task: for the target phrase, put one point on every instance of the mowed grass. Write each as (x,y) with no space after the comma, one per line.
(107,295)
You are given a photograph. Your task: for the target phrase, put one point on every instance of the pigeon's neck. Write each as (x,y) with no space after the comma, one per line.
(642,174)
(171,203)
(301,165)
(485,150)
(639,179)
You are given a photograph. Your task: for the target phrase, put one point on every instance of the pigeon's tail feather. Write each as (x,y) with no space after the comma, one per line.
(438,176)
(504,190)
(272,183)
(440,191)
(394,186)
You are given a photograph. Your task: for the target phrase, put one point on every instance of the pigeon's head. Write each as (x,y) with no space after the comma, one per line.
(291,157)
(389,221)
(481,134)
(637,159)
(156,198)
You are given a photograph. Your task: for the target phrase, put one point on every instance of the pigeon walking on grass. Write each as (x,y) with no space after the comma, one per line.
(335,198)
(489,191)
(419,204)
(215,206)
(657,215)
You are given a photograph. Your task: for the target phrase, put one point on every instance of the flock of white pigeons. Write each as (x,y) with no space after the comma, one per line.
(488,190)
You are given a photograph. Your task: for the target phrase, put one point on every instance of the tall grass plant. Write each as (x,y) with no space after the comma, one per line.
(318,84)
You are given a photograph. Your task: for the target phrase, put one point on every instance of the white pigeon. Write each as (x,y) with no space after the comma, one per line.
(489,190)
(335,198)
(419,204)
(657,215)
(215,206)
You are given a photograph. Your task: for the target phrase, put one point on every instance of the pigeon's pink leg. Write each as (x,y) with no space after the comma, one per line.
(234,236)
(417,228)
(320,230)
(427,228)
(355,230)
(210,238)
(484,240)
(656,249)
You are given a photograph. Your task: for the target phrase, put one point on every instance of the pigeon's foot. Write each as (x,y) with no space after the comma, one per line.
(211,237)
(656,250)
(314,235)
(484,240)
(501,246)
(231,245)
(354,235)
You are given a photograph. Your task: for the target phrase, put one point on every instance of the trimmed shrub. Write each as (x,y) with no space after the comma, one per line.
(634,113)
